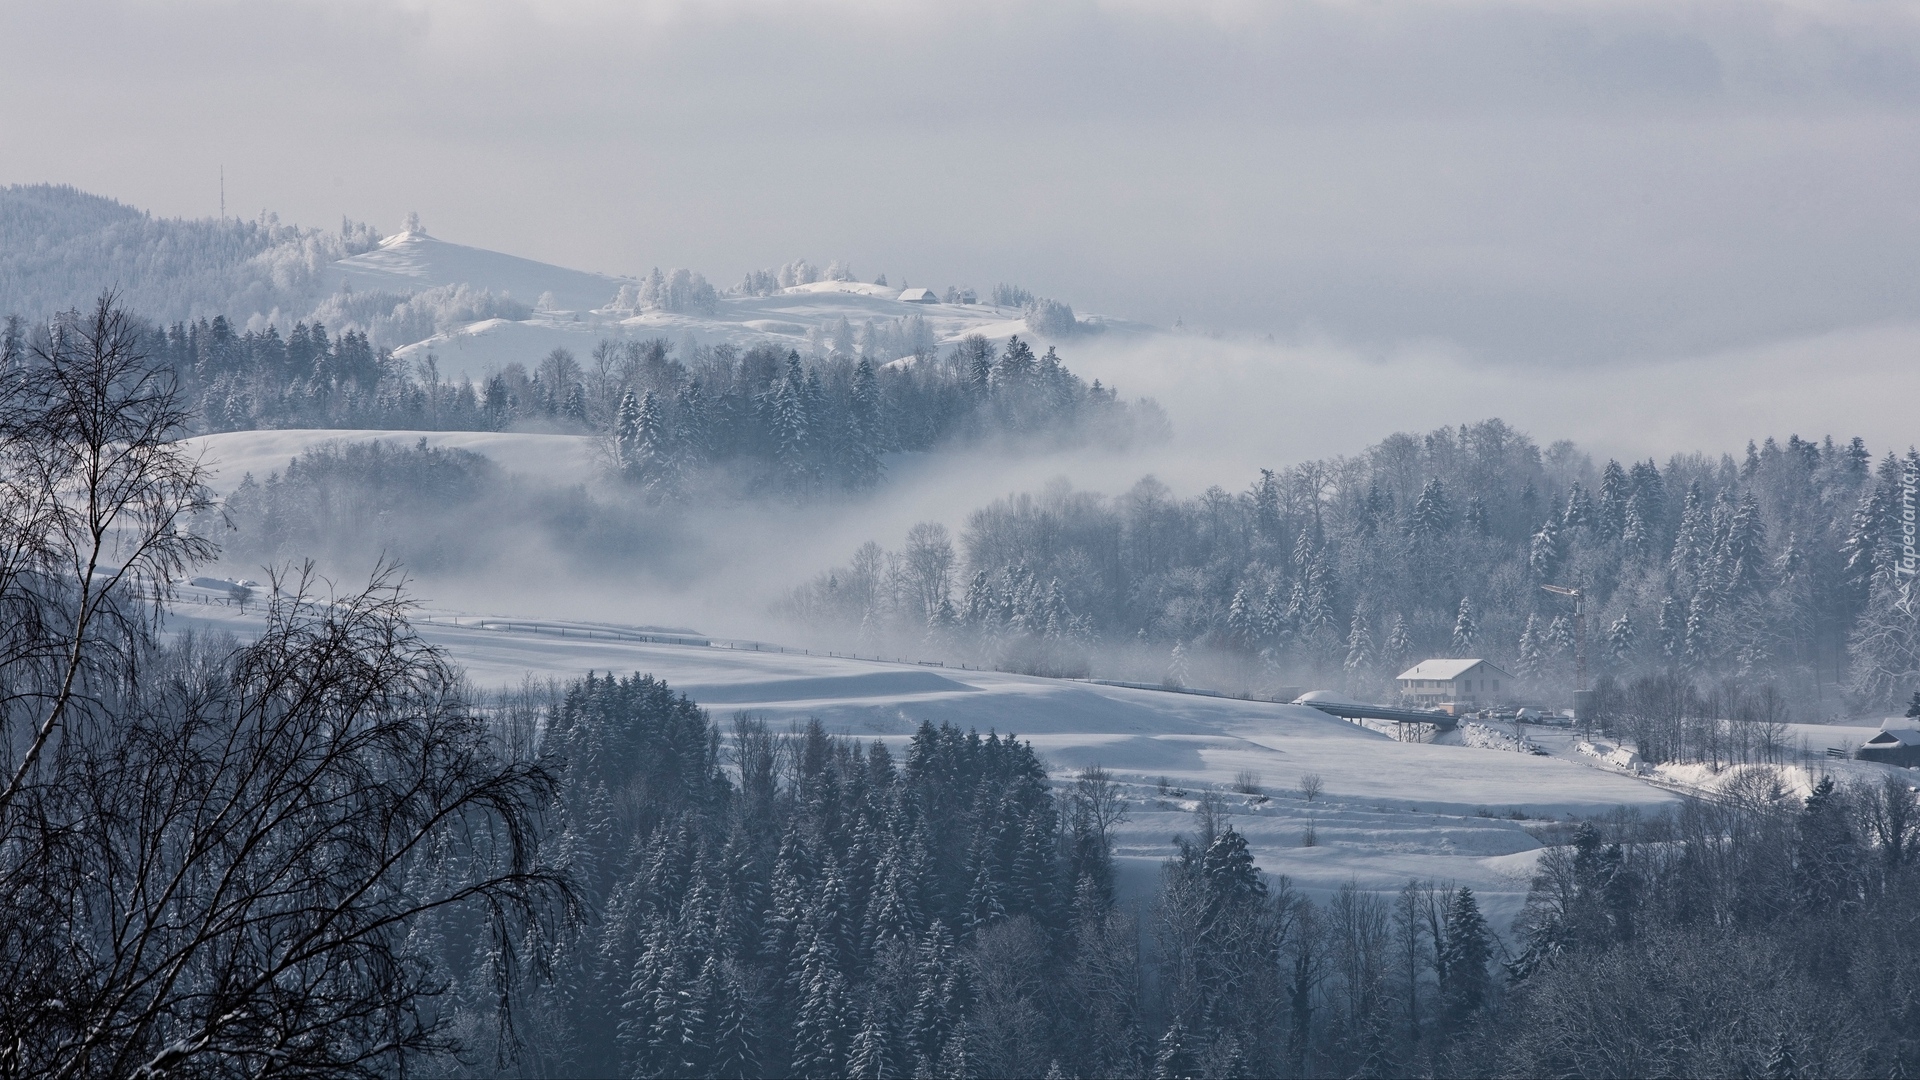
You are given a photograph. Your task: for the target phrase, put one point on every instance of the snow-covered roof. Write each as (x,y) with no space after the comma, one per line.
(1326,696)
(919,296)
(1445,669)
(1894,736)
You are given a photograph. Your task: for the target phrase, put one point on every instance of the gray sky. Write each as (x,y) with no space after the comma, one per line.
(1510,181)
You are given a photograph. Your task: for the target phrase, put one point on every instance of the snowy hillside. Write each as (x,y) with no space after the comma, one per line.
(59,247)
(576,311)
(411,261)
(803,317)
(475,310)
(1390,810)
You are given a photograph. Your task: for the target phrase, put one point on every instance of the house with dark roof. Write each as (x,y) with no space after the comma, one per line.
(1896,743)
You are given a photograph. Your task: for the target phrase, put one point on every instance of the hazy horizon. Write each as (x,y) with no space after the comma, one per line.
(1501,181)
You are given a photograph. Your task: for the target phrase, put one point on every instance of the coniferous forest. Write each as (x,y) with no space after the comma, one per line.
(323,852)
(1768,585)
(795,904)
(759,420)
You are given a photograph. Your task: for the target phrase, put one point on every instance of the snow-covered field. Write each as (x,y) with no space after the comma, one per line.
(1389,810)
(789,319)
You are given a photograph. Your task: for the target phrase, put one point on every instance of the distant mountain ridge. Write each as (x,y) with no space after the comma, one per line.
(59,246)
(471,309)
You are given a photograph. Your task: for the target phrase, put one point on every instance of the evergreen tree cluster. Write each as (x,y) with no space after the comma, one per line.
(1778,569)
(807,911)
(250,380)
(774,422)
(1759,935)
(766,904)
(678,291)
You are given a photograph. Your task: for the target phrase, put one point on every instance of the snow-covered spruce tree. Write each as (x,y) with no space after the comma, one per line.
(655,462)
(626,432)
(1359,662)
(863,438)
(1399,651)
(1467,949)
(1620,641)
(1528,653)
(1466,629)
(793,434)
(1545,553)
(1432,513)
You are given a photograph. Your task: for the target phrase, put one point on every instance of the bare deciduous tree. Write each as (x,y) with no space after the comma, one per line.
(212,855)
(93,494)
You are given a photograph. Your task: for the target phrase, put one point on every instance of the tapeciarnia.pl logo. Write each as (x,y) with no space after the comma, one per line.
(1905,567)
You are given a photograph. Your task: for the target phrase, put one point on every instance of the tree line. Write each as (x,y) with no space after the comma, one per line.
(1781,568)
(799,428)
(714,420)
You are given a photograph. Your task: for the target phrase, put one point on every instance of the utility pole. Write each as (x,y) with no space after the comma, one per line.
(1582,698)
(223,192)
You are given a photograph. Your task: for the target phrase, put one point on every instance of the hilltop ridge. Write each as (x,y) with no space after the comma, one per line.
(412,261)
(474,310)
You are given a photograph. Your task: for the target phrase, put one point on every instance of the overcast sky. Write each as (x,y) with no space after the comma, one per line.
(1538,182)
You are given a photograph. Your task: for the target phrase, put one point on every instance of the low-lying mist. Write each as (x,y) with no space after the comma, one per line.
(1238,406)
(480,537)
(476,536)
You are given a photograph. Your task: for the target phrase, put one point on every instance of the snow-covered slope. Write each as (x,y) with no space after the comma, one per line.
(790,320)
(1389,810)
(410,262)
(581,314)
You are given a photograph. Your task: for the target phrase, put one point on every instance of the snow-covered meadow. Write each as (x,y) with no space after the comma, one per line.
(1388,810)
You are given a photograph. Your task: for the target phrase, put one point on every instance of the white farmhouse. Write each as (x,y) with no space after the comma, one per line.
(919,296)
(1434,682)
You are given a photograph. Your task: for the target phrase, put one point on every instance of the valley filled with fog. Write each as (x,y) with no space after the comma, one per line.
(1083,540)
